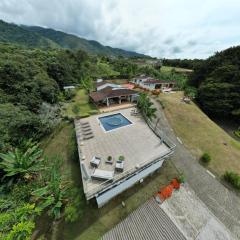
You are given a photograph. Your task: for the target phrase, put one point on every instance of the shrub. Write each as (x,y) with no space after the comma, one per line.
(181,178)
(92,112)
(121,158)
(76,205)
(69,94)
(237,133)
(84,115)
(162,103)
(109,158)
(233,179)
(76,108)
(206,158)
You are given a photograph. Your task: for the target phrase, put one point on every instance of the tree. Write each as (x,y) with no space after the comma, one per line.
(18,223)
(145,105)
(22,163)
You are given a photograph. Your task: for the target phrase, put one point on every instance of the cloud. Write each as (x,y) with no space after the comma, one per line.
(166,28)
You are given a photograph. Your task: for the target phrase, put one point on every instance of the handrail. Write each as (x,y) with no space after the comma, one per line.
(107,183)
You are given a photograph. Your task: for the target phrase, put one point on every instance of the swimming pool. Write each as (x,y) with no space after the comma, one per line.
(114,121)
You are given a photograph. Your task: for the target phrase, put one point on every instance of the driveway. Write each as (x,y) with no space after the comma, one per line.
(223,203)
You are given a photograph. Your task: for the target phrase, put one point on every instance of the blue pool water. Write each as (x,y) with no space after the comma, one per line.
(114,121)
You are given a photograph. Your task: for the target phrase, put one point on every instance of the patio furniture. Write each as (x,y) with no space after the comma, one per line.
(119,166)
(95,161)
(102,174)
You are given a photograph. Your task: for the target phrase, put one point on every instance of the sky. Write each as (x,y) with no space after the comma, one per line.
(159,28)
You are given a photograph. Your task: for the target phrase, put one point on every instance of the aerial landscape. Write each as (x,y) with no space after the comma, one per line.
(119,120)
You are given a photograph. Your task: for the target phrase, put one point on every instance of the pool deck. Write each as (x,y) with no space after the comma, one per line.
(136,142)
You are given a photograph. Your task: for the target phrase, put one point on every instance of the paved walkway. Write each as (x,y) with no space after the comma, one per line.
(223,203)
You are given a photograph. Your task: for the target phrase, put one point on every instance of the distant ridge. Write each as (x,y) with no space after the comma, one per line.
(39,37)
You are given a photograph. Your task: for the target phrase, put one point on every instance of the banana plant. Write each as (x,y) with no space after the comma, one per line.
(53,196)
(22,162)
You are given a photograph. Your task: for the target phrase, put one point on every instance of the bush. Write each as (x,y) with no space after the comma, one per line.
(84,115)
(206,158)
(162,103)
(76,108)
(92,112)
(181,178)
(237,133)
(76,206)
(109,158)
(121,158)
(69,94)
(233,179)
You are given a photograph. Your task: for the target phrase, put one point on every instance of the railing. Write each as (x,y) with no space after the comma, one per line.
(122,176)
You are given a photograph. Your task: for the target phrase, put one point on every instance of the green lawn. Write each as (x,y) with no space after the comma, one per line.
(81,103)
(177,69)
(200,134)
(95,222)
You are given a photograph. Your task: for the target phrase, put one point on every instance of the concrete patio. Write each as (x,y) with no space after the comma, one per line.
(136,142)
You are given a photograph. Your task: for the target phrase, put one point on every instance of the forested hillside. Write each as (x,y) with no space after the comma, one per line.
(73,42)
(31,83)
(11,33)
(218,83)
(39,37)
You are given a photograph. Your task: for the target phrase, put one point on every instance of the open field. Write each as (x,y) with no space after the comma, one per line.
(177,69)
(95,222)
(80,102)
(200,134)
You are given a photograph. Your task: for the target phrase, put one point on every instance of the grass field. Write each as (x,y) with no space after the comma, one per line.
(80,102)
(95,222)
(177,69)
(200,134)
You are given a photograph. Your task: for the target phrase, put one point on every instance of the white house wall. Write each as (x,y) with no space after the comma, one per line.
(109,194)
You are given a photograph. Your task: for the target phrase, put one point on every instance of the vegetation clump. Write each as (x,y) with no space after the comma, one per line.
(237,132)
(206,158)
(146,106)
(121,158)
(181,178)
(232,178)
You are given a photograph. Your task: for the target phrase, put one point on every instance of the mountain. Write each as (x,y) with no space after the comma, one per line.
(12,33)
(70,41)
(39,37)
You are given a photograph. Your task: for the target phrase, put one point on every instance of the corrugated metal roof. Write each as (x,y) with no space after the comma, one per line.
(147,222)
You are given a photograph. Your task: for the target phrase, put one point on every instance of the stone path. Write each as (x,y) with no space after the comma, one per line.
(223,203)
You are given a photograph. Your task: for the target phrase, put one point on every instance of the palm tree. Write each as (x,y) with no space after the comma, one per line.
(22,162)
(145,105)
